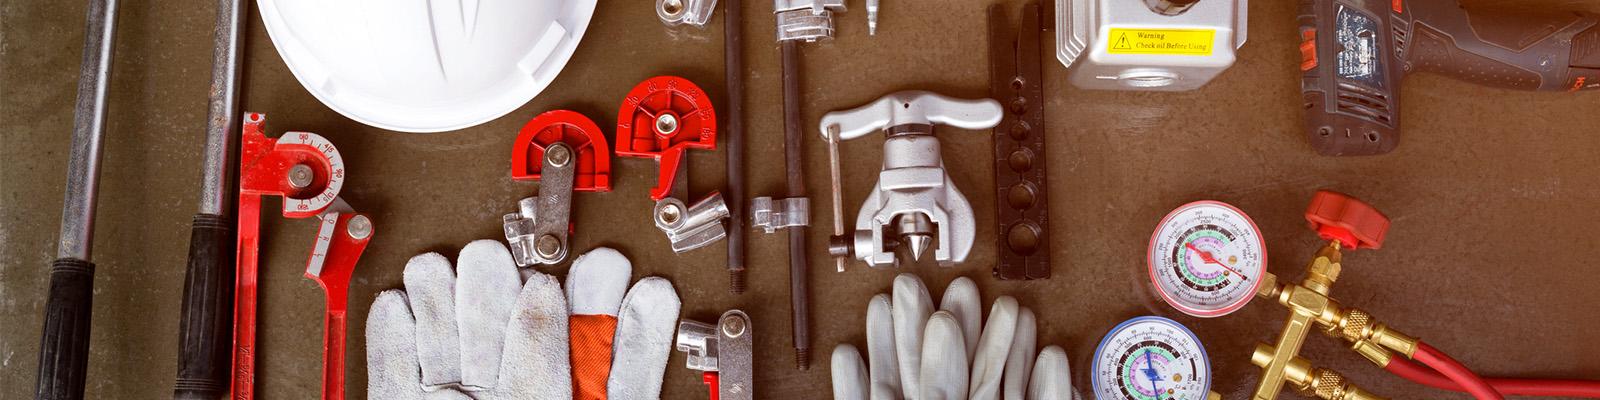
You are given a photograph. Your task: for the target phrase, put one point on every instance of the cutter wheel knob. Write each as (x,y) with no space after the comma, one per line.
(593,172)
(659,119)
(1353,223)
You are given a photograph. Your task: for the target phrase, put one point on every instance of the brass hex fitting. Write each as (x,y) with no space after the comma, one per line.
(1310,381)
(1356,326)
(1324,269)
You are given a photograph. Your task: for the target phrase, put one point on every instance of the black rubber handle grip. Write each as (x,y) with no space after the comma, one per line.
(64,350)
(206,330)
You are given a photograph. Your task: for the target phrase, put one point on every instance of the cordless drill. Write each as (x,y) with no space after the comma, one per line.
(1355,53)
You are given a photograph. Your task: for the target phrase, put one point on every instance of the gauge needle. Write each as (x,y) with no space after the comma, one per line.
(1150,372)
(1209,259)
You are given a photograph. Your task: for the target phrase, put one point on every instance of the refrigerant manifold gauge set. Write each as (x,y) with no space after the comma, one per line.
(533,311)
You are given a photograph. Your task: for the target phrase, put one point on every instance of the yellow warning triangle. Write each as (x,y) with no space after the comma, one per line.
(1122,43)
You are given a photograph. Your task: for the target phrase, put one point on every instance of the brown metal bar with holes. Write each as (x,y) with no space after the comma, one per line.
(1022,212)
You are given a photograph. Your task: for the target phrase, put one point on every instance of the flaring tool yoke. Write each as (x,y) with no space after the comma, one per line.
(662,118)
(722,353)
(306,170)
(565,152)
(914,205)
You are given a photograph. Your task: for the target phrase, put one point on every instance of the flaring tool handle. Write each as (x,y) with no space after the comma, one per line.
(913,107)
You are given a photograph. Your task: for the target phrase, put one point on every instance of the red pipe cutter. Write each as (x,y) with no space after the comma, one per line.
(306,170)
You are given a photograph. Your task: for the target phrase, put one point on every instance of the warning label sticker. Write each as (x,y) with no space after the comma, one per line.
(1178,42)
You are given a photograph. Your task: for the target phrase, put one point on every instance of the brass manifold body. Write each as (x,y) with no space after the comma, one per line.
(1310,306)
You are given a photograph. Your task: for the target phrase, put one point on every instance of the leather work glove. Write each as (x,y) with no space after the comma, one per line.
(483,331)
(620,341)
(918,353)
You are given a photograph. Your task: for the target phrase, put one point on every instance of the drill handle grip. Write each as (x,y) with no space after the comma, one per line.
(1549,52)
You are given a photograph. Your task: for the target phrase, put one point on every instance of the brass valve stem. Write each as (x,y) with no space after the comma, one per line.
(1310,381)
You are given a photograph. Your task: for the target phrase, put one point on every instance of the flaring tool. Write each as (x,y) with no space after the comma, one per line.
(565,152)
(307,171)
(1355,54)
(914,206)
(722,352)
(662,118)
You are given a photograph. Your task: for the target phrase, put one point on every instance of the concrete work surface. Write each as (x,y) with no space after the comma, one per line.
(1492,194)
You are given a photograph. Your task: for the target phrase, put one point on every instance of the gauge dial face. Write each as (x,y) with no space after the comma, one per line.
(1151,358)
(1206,259)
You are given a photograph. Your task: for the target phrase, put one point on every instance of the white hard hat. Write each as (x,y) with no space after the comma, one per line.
(425,66)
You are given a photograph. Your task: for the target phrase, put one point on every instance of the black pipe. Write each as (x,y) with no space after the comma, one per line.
(733,51)
(798,269)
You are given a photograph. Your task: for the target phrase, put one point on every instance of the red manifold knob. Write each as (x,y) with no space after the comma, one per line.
(1355,224)
(593,172)
(660,118)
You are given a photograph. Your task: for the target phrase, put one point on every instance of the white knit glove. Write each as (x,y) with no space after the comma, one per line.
(918,353)
(478,331)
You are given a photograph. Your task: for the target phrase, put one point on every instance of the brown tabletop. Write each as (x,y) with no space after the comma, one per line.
(1492,194)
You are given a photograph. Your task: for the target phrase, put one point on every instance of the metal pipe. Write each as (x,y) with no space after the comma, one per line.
(798,267)
(222,118)
(733,62)
(88,130)
(206,329)
(838,193)
(64,343)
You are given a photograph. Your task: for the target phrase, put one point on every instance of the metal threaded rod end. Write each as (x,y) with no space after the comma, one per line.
(736,281)
(802,359)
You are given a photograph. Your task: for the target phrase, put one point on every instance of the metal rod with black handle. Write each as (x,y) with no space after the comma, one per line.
(205,332)
(64,348)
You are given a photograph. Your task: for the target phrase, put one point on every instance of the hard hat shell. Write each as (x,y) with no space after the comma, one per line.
(425,66)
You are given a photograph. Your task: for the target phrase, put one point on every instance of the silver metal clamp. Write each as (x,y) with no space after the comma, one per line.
(808,20)
(692,226)
(914,206)
(723,350)
(537,232)
(685,12)
(771,214)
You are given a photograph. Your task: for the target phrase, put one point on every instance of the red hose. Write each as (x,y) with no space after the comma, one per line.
(1470,382)
(1520,387)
